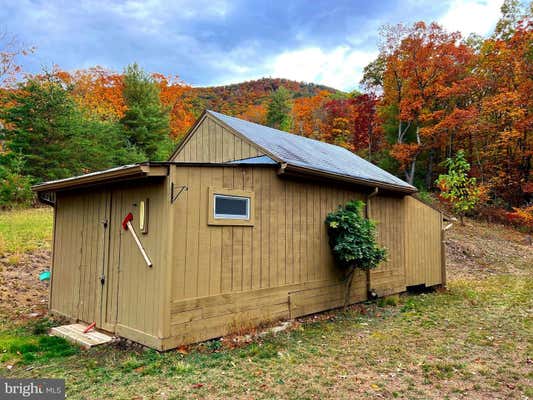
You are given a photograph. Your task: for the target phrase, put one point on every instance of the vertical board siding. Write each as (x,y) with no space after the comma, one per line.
(423,248)
(140,288)
(280,267)
(212,142)
(389,215)
(287,244)
(79,254)
(85,250)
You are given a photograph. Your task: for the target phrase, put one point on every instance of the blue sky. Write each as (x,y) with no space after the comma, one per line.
(214,42)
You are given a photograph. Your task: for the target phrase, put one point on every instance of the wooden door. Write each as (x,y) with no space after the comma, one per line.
(94,210)
(108,295)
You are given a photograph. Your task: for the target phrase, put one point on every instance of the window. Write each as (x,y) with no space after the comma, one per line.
(232,207)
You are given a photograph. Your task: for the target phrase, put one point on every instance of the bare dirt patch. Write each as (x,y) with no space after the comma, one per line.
(22,295)
(479,250)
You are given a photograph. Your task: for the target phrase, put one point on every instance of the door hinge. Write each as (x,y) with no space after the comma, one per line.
(102,279)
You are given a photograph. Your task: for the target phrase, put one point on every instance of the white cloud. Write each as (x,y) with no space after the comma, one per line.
(472,16)
(341,67)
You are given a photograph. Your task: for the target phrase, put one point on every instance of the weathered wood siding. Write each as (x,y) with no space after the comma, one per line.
(423,249)
(224,277)
(389,215)
(212,142)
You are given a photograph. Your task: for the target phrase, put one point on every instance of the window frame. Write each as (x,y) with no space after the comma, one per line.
(227,219)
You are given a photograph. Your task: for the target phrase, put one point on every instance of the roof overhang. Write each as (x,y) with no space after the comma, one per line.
(295,170)
(124,173)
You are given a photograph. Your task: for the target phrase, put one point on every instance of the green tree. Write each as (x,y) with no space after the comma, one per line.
(15,189)
(146,122)
(52,137)
(40,124)
(353,243)
(512,12)
(279,109)
(457,187)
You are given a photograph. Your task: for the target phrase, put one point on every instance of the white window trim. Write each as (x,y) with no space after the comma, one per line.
(231,216)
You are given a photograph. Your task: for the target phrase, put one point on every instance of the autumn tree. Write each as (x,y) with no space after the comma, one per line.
(99,91)
(173,93)
(503,114)
(309,115)
(415,64)
(146,120)
(513,12)
(10,52)
(254,113)
(278,110)
(48,137)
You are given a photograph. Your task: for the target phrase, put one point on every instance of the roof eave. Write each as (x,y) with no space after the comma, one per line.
(108,176)
(344,178)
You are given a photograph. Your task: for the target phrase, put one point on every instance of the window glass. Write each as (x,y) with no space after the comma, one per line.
(232,207)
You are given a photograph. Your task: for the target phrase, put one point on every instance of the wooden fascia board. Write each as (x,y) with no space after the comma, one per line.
(136,171)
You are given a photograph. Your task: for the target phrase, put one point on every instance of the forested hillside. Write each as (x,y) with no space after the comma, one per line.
(446,113)
(237,98)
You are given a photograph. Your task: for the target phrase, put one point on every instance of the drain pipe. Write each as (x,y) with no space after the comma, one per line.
(370,293)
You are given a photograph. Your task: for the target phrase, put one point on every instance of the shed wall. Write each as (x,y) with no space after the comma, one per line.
(130,302)
(389,215)
(423,250)
(212,142)
(224,277)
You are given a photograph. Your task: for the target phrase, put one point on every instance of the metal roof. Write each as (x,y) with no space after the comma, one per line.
(131,171)
(259,160)
(312,155)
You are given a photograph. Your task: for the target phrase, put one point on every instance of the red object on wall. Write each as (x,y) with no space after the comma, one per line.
(127,219)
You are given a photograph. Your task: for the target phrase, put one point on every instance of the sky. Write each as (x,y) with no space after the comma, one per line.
(217,42)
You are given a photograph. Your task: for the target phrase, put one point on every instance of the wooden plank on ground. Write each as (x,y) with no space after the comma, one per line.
(74,334)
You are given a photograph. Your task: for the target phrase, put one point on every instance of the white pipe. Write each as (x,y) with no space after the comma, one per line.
(139,245)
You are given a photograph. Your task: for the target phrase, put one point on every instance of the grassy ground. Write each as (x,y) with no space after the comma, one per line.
(473,341)
(25,230)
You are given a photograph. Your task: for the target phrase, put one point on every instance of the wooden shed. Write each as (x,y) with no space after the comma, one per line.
(233,227)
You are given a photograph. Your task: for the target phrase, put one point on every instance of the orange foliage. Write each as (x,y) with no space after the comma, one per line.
(254,113)
(522,217)
(172,94)
(97,90)
(309,116)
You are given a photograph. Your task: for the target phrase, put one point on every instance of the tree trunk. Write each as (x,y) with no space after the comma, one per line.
(348,287)
(429,171)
